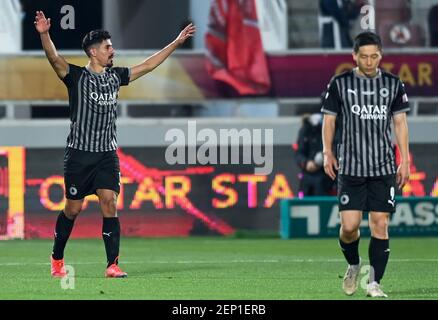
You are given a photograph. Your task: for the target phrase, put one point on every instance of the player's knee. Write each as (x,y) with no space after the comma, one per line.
(380,226)
(72,213)
(72,208)
(349,230)
(108,203)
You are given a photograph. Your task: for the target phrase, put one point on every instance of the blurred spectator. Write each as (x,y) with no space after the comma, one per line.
(433,26)
(334,22)
(314,182)
(394,25)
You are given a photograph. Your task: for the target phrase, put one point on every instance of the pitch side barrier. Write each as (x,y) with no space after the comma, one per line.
(318,217)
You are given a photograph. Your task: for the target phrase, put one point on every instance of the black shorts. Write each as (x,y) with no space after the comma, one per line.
(367,193)
(85,172)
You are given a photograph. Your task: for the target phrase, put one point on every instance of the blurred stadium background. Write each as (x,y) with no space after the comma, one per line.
(259,78)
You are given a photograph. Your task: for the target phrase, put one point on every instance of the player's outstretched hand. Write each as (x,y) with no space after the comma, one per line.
(186,33)
(41,23)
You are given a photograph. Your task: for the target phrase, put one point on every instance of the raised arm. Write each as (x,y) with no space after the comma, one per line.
(401,134)
(156,59)
(58,63)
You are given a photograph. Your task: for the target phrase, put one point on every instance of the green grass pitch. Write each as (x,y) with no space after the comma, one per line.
(213,268)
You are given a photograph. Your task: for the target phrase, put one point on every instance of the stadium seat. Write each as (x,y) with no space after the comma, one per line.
(396,10)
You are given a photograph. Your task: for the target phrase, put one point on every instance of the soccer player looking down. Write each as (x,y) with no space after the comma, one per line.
(91,164)
(362,102)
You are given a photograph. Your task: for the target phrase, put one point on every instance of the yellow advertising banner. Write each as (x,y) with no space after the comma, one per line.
(32,78)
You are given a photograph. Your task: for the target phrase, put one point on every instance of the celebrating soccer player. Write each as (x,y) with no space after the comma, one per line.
(91,164)
(362,102)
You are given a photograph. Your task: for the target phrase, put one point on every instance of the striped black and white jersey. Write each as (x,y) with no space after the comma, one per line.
(93,107)
(364,108)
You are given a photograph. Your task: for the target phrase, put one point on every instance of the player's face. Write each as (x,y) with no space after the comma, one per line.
(105,54)
(368,59)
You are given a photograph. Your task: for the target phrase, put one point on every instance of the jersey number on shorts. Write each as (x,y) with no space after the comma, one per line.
(392,195)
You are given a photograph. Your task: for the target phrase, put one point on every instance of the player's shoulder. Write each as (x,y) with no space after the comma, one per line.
(340,76)
(122,73)
(387,74)
(345,74)
(75,68)
(115,69)
(72,65)
(74,72)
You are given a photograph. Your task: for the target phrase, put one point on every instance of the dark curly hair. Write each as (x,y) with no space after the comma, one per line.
(94,37)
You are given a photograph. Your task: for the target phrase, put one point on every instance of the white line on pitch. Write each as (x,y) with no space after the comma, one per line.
(5,264)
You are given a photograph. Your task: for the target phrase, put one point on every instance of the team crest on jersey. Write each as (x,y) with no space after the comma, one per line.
(112,81)
(384,93)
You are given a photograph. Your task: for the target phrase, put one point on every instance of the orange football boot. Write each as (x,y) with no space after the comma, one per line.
(58,269)
(114,271)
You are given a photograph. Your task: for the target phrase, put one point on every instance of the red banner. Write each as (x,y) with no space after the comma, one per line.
(308,75)
(235,50)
